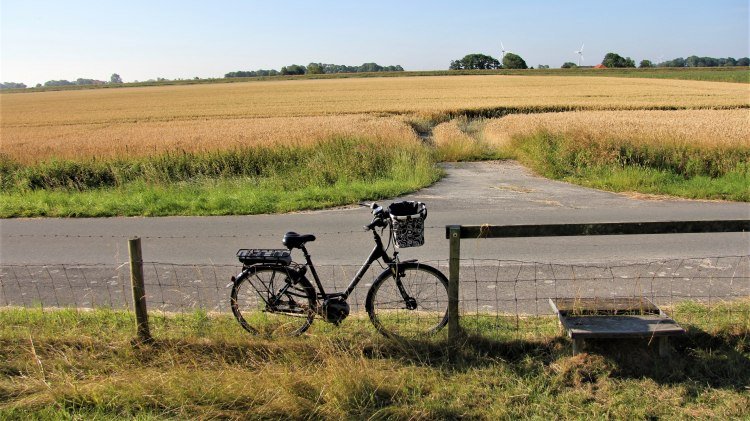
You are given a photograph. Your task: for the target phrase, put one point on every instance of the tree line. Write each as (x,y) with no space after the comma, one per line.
(478,61)
(316,69)
(115,78)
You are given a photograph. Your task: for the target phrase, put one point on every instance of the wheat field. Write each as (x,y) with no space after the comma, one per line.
(143,121)
(102,141)
(716,129)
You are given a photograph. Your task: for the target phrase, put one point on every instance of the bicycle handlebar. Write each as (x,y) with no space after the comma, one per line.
(380,216)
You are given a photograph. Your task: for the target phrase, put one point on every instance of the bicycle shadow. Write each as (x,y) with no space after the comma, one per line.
(697,360)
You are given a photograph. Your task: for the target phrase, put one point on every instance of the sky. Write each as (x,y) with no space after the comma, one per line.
(141,40)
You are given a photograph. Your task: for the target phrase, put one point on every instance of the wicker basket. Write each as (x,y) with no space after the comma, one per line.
(407,219)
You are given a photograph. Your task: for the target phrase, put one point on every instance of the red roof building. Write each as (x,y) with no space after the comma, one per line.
(600,66)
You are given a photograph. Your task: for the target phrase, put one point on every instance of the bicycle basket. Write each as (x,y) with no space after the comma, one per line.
(278,257)
(407,219)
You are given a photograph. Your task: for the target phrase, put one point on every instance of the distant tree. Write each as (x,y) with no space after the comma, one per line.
(12,85)
(293,69)
(82,81)
(514,61)
(744,61)
(61,82)
(678,62)
(543,66)
(645,63)
(115,78)
(38,85)
(475,61)
(315,69)
(568,65)
(370,67)
(615,60)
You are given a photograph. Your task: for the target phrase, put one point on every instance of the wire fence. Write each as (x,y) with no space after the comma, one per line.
(499,296)
(496,296)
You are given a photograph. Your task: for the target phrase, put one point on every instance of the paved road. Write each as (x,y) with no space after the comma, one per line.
(78,262)
(471,193)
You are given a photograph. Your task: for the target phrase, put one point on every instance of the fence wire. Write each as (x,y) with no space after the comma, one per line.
(500,296)
(496,296)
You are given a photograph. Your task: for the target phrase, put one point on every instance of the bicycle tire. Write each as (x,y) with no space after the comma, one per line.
(260,307)
(389,311)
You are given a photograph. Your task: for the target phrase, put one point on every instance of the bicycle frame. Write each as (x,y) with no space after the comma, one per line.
(378,252)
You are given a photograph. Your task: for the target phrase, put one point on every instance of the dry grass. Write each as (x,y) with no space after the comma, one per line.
(138,121)
(698,128)
(81,365)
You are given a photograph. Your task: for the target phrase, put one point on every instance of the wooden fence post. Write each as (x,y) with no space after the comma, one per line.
(454,261)
(139,291)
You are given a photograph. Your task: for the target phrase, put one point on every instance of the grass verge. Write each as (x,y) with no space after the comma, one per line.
(680,170)
(249,181)
(76,364)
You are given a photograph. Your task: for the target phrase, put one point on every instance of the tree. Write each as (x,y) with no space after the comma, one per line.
(543,66)
(568,65)
(744,61)
(615,60)
(115,78)
(12,85)
(315,69)
(514,61)
(370,67)
(646,63)
(293,69)
(475,62)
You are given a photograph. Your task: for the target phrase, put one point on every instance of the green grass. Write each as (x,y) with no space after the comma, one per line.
(84,365)
(249,181)
(684,171)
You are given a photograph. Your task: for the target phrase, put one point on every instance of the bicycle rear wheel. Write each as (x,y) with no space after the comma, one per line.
(271,301)
(411,304)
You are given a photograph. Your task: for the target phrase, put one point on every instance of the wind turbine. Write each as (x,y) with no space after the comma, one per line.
(502,50)
(580,55)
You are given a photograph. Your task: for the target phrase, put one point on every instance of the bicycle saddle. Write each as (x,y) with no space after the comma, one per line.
(293,240)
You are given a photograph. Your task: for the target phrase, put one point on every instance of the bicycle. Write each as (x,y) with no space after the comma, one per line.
(408,300)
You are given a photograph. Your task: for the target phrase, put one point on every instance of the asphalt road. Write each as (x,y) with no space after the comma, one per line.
(471,193)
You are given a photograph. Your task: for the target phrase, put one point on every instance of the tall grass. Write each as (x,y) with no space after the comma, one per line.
(257,180)
(695,154)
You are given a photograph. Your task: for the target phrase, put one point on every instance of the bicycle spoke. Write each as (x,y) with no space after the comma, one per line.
(420,313)
(267,302)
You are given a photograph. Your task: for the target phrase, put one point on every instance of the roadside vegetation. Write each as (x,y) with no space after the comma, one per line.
(84,365)
(700,154)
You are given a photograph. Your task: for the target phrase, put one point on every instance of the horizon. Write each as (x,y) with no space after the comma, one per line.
(44,40)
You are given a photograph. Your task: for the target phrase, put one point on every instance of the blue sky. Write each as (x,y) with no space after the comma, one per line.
(43,40)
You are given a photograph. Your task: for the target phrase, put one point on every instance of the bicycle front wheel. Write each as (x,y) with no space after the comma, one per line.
(272,301)
(410,302)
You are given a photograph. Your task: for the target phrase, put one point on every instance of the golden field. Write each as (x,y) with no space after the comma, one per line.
(83,141)
(698,128)
(144,121)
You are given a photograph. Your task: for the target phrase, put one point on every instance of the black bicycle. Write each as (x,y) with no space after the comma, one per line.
(408,300)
